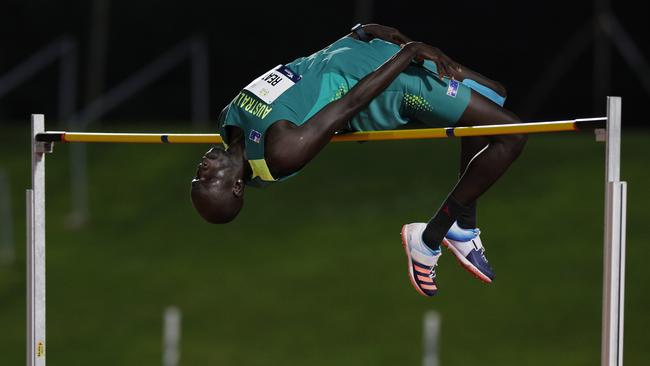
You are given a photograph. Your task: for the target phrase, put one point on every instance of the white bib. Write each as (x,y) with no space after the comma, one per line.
(273,83)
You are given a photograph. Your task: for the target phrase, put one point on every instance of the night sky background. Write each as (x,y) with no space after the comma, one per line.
(510,41)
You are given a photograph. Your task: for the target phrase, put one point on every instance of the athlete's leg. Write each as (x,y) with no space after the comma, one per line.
(455,104)
(469,147)
(482,170)
(485,168)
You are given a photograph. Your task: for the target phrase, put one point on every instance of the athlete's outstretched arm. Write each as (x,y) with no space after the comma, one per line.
(456,71)
(290,147)
(388,34)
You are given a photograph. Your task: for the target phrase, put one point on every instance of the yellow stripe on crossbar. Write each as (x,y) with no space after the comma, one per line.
(519,128)
(428,133)
(143,138)
(425,133)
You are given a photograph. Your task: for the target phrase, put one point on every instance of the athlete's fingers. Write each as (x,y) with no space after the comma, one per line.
(451,68)
(445,62)
(438,67)
(442,69)
(447,69)
(398,37)
(454,65)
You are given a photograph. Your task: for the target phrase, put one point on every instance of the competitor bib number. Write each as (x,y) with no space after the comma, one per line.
(274,83)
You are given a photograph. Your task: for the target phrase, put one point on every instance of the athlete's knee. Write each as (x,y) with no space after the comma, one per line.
(512,145)
(509,146)
(510,117)
(516,144)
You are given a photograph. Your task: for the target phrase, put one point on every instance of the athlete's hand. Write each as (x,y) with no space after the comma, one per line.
(445,65)
(388,34)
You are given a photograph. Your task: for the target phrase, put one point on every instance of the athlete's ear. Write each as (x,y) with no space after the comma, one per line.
(238,188)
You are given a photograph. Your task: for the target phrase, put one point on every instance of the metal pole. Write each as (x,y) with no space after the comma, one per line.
(363,11)
(431,330)
(97,50)
(171,336)
(630,52)
(36,249)
(602,55)
(7,254)
(557,69)
(80,212)
(200,79)
(109,100)
(67,80)
(37,62)
(614,242)
(585,124)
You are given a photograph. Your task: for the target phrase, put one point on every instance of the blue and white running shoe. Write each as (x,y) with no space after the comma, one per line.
(468,249)
(422,261)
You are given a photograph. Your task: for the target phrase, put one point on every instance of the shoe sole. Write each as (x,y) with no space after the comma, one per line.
(467,265)
(410,264)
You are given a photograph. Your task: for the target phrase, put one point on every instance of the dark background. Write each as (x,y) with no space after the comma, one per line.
(312,271)
(510,41)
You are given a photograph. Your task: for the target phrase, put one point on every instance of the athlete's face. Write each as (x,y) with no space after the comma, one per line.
(213,168)
(217,188)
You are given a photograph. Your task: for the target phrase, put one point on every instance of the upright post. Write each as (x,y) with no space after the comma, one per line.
(614,242)
(431,334)
(171,336)
(7,254)
(200,81)
(36,249)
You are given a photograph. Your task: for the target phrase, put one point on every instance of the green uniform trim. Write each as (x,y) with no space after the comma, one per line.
(261,170)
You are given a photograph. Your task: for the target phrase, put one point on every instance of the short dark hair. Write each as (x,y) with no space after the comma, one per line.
(216,206)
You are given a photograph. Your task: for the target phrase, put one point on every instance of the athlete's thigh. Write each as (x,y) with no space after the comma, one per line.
(433,101)
(482,111)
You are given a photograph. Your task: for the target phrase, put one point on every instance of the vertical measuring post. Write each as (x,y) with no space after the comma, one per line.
(430,338)
(614,242)
(171,336)
(7,254)
(36,249)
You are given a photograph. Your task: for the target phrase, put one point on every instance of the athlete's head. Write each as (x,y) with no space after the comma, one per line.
(218,188)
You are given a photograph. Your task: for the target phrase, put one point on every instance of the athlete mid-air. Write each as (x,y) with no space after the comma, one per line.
(375,78)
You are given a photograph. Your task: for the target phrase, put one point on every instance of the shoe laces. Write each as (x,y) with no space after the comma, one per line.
(432,271)
(482,252)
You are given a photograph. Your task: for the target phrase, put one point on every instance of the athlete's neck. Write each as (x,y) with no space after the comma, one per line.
(237,150)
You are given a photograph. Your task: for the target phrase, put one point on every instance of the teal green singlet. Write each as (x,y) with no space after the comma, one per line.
(301,88)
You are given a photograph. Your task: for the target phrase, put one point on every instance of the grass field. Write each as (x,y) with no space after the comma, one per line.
(313,273)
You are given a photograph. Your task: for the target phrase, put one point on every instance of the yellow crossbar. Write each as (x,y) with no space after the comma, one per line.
(428,133)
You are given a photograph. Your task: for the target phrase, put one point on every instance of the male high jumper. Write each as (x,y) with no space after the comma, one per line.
(375,78)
